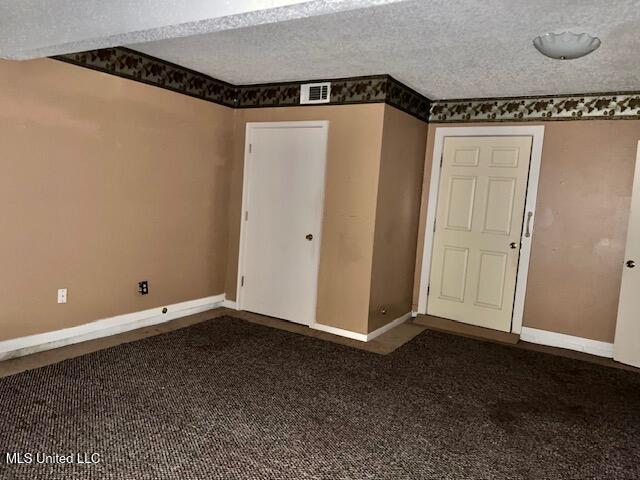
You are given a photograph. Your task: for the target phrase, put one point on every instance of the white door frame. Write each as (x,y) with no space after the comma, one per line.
(250,126)
(537,132)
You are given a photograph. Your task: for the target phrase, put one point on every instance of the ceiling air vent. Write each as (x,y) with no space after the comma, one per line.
(315,93)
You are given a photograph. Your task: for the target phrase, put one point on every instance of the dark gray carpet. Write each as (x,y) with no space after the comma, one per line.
(232,400)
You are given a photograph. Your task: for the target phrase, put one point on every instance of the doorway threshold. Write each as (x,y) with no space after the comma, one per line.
(465,330)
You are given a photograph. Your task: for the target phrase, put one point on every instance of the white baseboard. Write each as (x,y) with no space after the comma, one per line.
(389,326)
(363,337)
(230,304)
(18,347)
(553,339)
(339,331)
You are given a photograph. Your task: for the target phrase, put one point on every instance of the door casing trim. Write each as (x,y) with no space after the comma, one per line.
(537,132)
(322,124)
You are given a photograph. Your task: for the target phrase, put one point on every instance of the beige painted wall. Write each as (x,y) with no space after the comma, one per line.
(581,222)
(105,182)
(397,214)
(353,160)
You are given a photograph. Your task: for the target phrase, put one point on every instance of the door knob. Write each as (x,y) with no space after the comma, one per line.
(309,237)
(631,264)
(513,245)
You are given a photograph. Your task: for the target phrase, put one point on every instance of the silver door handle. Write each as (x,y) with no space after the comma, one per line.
(527,232)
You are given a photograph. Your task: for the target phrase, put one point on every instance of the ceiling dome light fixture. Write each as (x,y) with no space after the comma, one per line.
(566,45)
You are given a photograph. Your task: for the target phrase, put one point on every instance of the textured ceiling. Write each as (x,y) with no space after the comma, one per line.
(39,28)
(442,48)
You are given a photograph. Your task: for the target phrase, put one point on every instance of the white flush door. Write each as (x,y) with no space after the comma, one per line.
(479,220)
(626,346)
(282,219)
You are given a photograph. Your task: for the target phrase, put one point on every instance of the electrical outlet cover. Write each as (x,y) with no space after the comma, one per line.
(143,287)
(62,295)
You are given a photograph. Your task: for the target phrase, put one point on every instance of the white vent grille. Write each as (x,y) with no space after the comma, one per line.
(315,93)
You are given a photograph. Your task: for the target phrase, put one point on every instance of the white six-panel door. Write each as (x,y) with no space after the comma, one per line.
(282,218)
(626,346)
(479,220)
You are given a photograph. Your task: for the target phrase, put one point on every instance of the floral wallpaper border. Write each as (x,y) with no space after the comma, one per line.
(140,67)
(624,105)
(344,91)
(371,89)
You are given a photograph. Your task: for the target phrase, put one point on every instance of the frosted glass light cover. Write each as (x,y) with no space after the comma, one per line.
(566,45)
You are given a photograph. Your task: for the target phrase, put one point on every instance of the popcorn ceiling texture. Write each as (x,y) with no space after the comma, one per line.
(442,49)
(39,28)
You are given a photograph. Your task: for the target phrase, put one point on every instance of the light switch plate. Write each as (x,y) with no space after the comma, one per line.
(62,295)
